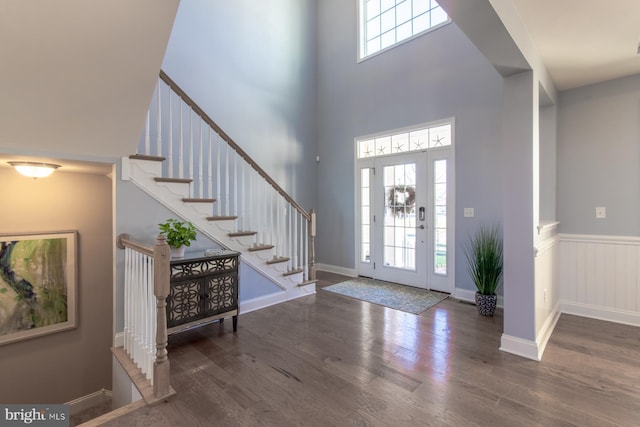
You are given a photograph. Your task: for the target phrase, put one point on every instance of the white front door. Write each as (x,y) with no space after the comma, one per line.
(397,218)
(405,219)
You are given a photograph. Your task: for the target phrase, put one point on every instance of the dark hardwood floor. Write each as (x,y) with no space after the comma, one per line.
(328,360)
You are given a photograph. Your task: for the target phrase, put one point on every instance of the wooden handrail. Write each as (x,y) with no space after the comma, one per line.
(124,241)
(174,86)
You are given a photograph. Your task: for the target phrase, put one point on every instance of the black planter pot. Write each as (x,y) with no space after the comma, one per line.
(486,304)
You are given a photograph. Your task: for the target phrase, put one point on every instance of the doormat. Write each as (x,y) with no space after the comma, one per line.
(399,297)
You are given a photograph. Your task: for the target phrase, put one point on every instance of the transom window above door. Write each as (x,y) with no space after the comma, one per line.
(385,23)
(404,142)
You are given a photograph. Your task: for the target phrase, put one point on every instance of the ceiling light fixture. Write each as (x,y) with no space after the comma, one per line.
(34,169)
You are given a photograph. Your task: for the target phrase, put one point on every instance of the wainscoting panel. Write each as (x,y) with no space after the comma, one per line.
(599,277)
(547,290)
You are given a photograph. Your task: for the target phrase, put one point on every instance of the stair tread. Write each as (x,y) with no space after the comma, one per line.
(242,233)
(261,248)
(147,157)
(220,218)
(197,200)
(278,260)
(177,180)
(307,282)
(292,272)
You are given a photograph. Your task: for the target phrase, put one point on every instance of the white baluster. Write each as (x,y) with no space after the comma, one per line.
(140,313)
(170,147)
(270,217)
(294,239)
(147,136)
(287,232)
(190,153)
(200,163)
(159,128)
(273,215)
(218,195)
(252,204)
(209,171)
(181,147)
(258,210)
(226,181)
(150,301)
(127,291)
(142,325)
(134,318)
(279,240)
(303,247)
(243,197)
(235,183)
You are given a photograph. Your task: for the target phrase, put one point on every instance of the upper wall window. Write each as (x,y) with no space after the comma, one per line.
(385,23)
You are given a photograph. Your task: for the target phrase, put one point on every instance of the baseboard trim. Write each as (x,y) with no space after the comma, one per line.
(547,329)
(470,296)
(519,347)
(265,301)
(601,313)
(351,272)
(88,401)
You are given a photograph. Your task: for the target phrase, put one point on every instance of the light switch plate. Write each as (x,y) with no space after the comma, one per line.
(469,212)
(601,212)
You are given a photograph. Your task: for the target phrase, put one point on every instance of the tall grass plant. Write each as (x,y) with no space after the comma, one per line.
(484,255)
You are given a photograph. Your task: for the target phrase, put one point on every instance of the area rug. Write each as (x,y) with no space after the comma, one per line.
(399,297)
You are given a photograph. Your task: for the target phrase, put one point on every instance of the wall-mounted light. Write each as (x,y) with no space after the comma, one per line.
(34,169)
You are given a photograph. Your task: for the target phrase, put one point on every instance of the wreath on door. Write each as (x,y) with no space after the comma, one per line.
(401,199)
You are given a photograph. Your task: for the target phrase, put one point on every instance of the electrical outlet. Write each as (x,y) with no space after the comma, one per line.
(601,212)
(469,212)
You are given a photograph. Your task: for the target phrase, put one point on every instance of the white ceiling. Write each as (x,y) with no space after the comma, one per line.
(76,76)
(583,42)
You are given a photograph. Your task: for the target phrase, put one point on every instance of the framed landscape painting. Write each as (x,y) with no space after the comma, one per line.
(37,284)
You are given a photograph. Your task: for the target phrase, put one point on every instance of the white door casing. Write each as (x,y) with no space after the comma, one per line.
(394,241)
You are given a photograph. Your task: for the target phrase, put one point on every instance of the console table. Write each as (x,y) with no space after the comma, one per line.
(202,288)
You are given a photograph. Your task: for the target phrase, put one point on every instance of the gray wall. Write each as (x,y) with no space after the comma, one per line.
(599,158)
(435,76)
(63,366)
(138,215)
(251,66)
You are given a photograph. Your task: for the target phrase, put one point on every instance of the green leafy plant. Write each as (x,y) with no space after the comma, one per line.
(178,233)
(484,255)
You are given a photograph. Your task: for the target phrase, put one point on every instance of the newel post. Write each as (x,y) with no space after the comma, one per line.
(312,245)
(161,273)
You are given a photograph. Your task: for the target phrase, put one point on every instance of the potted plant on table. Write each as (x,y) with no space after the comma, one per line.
(179,234)
(484,255)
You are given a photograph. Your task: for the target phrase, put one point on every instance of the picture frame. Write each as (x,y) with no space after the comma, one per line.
(38,284)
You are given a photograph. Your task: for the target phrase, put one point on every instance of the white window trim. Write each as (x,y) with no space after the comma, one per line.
(360,45)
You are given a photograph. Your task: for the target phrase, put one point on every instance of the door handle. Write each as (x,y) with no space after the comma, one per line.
(421,227)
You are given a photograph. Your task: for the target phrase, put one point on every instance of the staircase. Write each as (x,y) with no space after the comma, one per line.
(187,163)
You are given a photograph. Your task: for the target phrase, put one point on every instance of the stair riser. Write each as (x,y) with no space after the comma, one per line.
(244,241)
(264,254)
(204,209)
